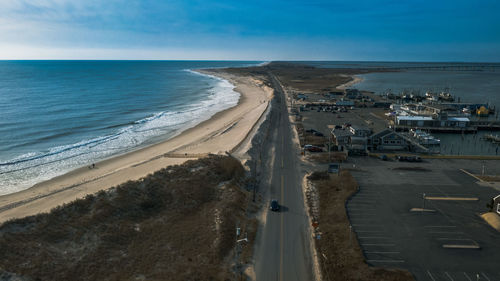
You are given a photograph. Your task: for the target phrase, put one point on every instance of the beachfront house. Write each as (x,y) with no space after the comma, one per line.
(387,140)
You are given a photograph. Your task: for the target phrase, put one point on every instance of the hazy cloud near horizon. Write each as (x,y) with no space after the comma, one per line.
(258,30)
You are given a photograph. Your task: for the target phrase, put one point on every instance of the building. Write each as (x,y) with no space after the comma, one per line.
(461,122)
(341,137)
(360,131)
(301,97)
(358,145)
(388,140)
(344,103)
(414,121)
(424,121)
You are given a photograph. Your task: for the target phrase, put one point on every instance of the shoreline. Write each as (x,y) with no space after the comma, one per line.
(355,80)
(222,132)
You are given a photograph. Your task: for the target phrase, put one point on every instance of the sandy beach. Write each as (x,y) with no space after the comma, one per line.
(355,80)
(226,131)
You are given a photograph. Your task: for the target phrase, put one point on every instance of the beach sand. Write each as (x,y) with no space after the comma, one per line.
(226,131)
(355,80)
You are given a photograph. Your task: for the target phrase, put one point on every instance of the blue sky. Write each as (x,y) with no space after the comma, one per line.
(404,30)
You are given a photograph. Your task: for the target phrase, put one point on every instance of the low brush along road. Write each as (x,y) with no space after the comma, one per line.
(282,251)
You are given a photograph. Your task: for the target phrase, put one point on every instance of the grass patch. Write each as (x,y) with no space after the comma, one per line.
(341,257)
(175,224)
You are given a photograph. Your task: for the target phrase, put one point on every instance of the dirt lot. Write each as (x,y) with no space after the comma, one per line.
(176,224)
(339,253)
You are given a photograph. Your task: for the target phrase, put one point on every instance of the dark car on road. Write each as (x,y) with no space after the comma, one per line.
(274,205)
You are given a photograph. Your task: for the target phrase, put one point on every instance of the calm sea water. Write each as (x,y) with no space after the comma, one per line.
(471,82)
(480,86)
(56,116)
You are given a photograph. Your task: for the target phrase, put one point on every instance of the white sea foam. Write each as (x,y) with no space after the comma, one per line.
(25,170)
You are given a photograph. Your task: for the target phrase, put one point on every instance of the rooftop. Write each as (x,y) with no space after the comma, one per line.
(414,118)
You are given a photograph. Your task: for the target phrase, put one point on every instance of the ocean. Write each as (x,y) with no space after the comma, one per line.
(56,116)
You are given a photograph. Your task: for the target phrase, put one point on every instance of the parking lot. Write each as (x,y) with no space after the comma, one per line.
(449,241)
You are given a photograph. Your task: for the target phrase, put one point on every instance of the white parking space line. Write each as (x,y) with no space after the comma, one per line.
(485,276)
(439,226)
(446,273)
(455,239)
(467,276)
(386,261)
(430,275)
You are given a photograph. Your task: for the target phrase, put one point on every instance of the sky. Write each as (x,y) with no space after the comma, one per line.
(263,30)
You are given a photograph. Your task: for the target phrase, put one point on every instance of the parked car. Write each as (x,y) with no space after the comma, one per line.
(318,134)
(315,149)
(274,206)
(383,157)
(333,168)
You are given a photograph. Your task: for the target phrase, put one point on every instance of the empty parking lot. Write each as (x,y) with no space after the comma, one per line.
(449,241)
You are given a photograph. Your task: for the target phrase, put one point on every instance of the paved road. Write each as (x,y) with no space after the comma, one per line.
(282,251)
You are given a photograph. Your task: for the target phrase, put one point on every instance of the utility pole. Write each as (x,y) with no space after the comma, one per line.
(423,202)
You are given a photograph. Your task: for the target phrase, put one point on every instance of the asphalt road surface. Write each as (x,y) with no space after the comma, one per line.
(282,251)
(393,236)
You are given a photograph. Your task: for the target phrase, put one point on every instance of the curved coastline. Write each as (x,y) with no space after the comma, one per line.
(222,132)
(355,80)
(158,124)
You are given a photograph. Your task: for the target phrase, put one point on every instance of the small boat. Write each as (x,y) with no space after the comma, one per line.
(425,138)
(430,96)
(492,138)
(445,96)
